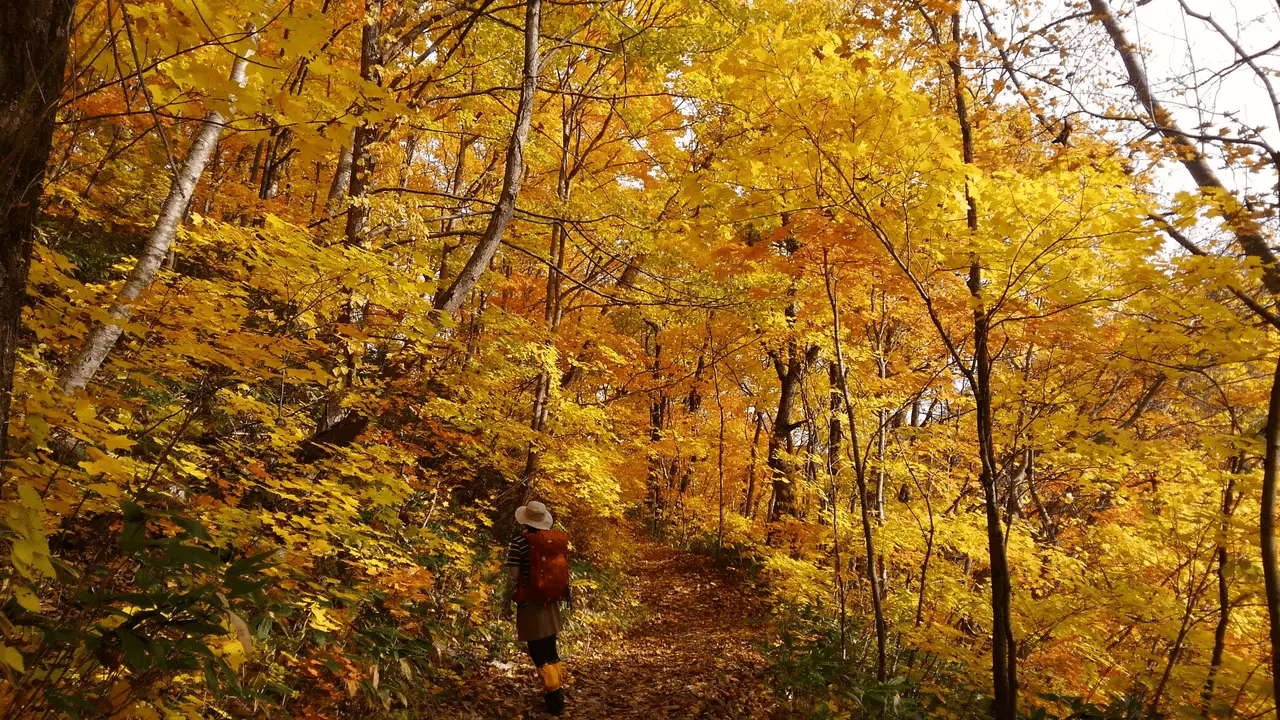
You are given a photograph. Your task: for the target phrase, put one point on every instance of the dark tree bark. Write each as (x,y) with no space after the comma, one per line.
(34,36)
(1004,656)
(1270,561)
(860,476)
(361,171)
(790,371)
(455,188)
(835,463)
(339,434)
(657,424)
(780,441)
(341,181)
(748,506)
(1224,595)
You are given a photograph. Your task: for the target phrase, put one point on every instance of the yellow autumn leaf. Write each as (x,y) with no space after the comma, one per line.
(11,657)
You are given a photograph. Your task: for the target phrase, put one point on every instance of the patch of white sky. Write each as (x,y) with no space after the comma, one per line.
(1190,63)
(1194,71)
(688,108)
(632,182)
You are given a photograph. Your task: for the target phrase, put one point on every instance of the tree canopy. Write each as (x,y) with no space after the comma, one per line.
(907,306)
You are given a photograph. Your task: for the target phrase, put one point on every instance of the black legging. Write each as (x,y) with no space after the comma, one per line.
(543,651)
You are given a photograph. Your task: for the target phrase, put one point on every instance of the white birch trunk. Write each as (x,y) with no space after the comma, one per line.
(103,337)
(341,179)
(452,298)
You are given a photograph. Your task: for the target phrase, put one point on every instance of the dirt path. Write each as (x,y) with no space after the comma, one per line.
(691,655)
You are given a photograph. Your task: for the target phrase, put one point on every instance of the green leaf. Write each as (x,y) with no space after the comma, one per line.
(134,536)
(194,528)
(191,555)
(135,650)
(211,677)
(264,627)
(158,650)
(196,646)
(132,512)
(240,588)
(249,565)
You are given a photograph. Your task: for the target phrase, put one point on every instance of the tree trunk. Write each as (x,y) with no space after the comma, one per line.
(780,440)
(341,180)
(257,162)
(1224,596)
(882,416)
(748,507)
(860,475)
(715,379)
(834,465)
(790,376)
(277,159)
(927,494)
(361,171)
(34,35)
(1267,531)
(552,311)
(452,298)
(455,188)
(103,337)
(657,423)
(1004,657)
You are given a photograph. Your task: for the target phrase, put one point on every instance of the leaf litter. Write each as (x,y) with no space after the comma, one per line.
(691,655)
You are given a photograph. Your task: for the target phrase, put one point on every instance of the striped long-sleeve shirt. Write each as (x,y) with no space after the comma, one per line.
(518,555)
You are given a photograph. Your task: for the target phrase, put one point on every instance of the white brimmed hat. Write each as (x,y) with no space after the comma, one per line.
(535,514)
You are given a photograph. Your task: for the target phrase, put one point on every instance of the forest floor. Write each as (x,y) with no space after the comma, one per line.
(689,654)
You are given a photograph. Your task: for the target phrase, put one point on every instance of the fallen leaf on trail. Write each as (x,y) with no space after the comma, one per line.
(692,658)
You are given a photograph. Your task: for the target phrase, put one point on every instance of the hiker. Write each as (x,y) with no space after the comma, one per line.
(537,580)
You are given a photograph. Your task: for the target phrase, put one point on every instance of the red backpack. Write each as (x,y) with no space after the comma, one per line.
(548,568)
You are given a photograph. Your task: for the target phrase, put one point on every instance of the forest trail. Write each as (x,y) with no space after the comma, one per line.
(689,655)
